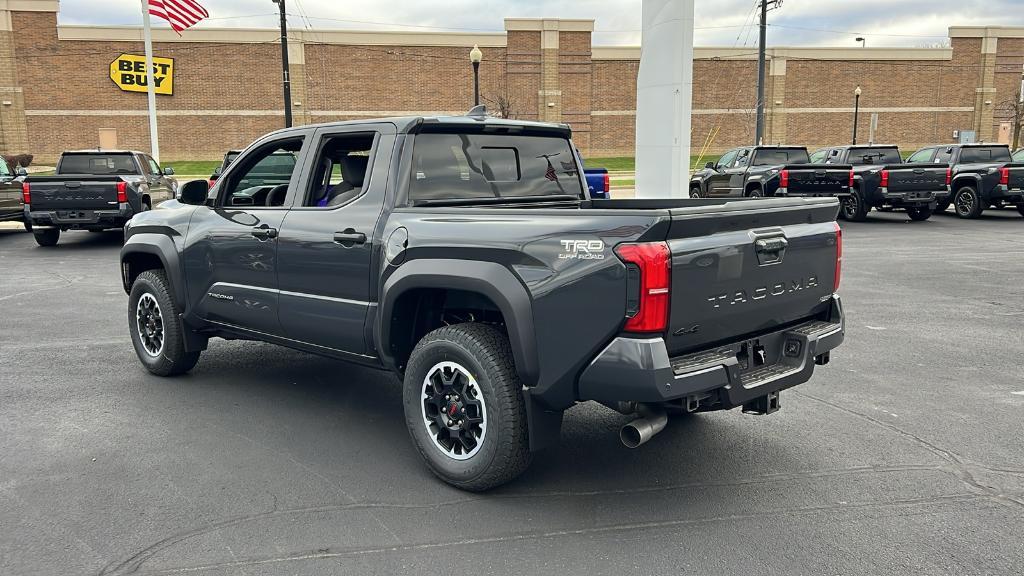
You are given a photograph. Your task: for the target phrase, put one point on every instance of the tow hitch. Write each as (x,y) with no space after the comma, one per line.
(763,405)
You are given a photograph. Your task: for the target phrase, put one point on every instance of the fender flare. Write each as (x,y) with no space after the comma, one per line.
(975,178)
(487,278)
(162,247)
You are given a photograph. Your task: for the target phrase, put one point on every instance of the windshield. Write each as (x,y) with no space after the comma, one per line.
(874,156)
(782,156)
(461,166)
(97,164)
(984,154)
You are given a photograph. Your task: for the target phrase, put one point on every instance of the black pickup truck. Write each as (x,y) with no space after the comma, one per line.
(95,191)
(12,190)
(882,180)
(756,171)
(463,255)
(981,176)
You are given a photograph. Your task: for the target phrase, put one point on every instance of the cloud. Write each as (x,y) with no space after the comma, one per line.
(718,23)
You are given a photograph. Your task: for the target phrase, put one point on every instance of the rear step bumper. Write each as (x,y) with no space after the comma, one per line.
(640,370)
(901,199)
(81,219)
(1008,195)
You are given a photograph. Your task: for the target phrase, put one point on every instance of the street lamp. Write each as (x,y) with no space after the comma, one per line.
(856,111)
(863,42)
(475,56)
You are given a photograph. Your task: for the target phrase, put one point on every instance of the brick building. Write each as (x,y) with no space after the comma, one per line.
(56,91)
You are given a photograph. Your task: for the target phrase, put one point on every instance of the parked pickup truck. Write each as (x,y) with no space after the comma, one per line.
(463,255)
(882,180)
(12,206)
(981,176)
(755,171)
(229,157)
(95,191)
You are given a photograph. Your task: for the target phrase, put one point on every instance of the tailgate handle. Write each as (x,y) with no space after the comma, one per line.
(771,245)
(919,171)
(820,172)
(72,184)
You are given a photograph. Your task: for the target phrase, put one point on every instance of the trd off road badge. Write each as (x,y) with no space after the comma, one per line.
(581,250)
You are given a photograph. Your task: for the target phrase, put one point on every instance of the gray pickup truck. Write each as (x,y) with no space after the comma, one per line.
(94,190)
(463,255)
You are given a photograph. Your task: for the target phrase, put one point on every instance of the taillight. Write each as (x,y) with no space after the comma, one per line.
(839,257)
(122,192)
(653,262)
(607,183)
(1004,176)
(26,193)
(851,179)
(949,176)
(212,182)
(784,179)
(885,179)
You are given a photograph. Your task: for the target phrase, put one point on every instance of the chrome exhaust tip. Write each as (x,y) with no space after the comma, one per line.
(643,429)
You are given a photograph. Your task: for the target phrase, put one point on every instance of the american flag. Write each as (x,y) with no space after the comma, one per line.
(181,14)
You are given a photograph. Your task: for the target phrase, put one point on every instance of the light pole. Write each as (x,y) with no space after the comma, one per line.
(284,65)
(475,56)
(856,111)
(863,41)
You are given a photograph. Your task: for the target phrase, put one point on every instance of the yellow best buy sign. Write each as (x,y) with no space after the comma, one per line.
(128,71)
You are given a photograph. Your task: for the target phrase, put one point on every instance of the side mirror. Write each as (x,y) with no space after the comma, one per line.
(19,171)
(194,192)
(168,171)
(710,165)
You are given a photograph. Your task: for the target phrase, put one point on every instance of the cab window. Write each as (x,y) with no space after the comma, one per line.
(261,178)
(819,156)
(727,159)
(341,171)
(920,156)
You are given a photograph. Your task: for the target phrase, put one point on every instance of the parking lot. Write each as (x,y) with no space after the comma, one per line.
(905,455)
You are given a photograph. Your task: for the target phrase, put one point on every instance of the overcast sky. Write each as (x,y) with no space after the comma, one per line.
(719,22)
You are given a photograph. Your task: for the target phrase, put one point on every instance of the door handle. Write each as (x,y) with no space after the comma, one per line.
(349,237)
(264,232)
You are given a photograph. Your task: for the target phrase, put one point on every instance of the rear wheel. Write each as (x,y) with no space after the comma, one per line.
(464,407)
(47,237)
(154,322)
(919,214)
(1020,208)
(968,203)
(852,208)
(755,192)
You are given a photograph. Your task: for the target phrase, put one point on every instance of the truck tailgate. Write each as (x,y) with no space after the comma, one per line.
(817,179)
(916,177)
(747,267)
(1016,176)
(74,192)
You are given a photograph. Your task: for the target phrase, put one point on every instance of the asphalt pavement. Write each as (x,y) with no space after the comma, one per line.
(905,455)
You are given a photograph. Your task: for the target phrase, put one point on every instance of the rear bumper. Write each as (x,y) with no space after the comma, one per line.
(1002,193)
(80,219)
(640,370)
(789,192)
(913,198)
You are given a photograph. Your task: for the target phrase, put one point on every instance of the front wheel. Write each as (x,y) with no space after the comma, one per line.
(695,192)
(755,193)
(48,237)
(464,407)
(853,208)
(155,325)
(968,203)
(919,214)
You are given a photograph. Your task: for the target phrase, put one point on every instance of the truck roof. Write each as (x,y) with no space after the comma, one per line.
(102,152)
(412,124)
(863,146)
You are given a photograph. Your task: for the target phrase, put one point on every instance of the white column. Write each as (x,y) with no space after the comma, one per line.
(664,98)
(147,34)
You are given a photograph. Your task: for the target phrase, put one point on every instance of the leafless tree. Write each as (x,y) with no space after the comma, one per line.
(501,104)
(1013,110)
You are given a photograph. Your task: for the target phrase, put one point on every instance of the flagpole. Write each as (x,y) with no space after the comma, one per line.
(147,34)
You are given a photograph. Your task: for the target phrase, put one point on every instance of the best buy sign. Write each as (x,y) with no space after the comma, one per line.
(128,71)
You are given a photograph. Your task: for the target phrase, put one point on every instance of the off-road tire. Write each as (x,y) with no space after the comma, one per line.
(695,192)
(919,214)
(484,351)
(47,237)
(172,359)
(755,192)
(967,202)
(853,207)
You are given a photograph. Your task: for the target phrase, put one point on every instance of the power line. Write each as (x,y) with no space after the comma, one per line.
(855,33)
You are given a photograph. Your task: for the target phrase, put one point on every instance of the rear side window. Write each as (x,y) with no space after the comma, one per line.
(985,154)
(467,166)
(773,157)
(923,155)
(98,164)
(875,156)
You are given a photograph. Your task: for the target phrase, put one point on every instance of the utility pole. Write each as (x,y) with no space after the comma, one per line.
(284,65)
(764,6)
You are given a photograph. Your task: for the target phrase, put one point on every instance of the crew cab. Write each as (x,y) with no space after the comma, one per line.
(981,176)
(882,180)
(12,206)
(756,171)
(463,255)
(94,190)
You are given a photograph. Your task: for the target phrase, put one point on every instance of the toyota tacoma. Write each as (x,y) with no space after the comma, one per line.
(758,171)
(981,176)
(463,255)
